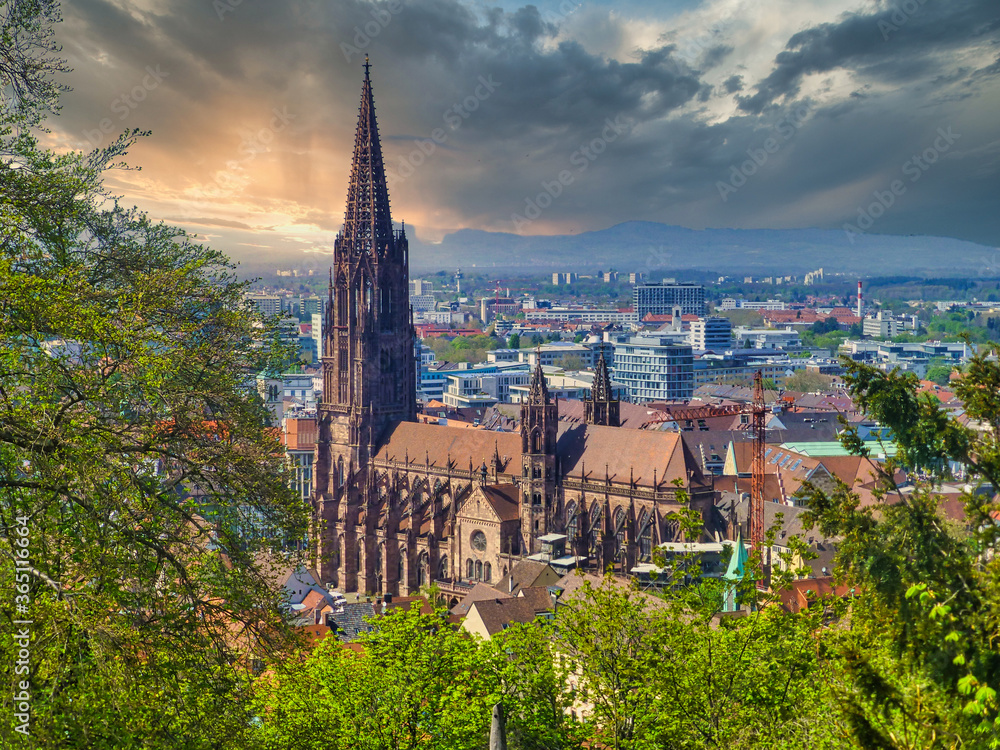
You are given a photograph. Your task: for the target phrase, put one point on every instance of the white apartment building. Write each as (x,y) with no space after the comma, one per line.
(266,304)
(766,338)
(728,303)
(880,326)
(584,315)
(653,368)
(419,288)
(711,334)
(481,390)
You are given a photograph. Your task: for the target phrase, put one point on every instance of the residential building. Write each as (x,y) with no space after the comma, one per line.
(711,334)
(716,369)
(488,617)
(312,305)
(299,437)
(813,277)
(266,304)
(581,315)
(479,389)
(729,303)
(299,386)
(490,307)
(420,287)
(555,353)
(422,302)
(882,325)
(317,335)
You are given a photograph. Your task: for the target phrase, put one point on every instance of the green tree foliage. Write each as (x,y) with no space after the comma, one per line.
(746,318)
(463,348)
(807,382)
(939,373)
(134,450)
(572,362)
(514,342)
(825,326)
(921,665)
(415,681)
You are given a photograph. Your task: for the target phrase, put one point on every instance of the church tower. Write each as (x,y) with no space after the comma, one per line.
(368,362)
(539,431)
(602,407)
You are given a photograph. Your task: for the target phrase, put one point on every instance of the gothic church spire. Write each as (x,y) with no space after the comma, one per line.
(367,221)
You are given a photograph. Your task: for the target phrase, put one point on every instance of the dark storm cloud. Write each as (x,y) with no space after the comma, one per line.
(208,222)
(715,55)
(549,95)
(733,84)
(899,44)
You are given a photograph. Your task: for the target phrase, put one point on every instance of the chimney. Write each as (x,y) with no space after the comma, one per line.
(675,320)
(860,312)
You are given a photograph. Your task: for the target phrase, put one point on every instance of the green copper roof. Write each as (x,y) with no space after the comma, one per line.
(738,562)
(834,448)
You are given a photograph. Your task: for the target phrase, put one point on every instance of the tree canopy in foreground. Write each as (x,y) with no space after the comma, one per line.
(136,458)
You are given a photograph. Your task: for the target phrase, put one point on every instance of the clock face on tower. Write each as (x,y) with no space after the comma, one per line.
(478,541)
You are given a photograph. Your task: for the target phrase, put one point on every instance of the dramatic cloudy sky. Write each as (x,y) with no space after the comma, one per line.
(253,103)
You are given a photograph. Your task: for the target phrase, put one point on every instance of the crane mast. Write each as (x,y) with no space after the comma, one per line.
(757,410)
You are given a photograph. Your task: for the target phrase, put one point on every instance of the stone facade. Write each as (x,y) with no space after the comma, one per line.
(399,504)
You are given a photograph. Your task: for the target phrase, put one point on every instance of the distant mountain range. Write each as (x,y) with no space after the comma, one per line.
(660,248)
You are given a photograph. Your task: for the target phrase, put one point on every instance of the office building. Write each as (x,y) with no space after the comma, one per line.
(654,368)
(659,298)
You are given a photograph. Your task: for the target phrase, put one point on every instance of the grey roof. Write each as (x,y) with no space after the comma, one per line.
(524,573)
(350,622)
(497,614)
(478,593)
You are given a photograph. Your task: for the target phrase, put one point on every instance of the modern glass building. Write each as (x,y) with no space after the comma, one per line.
(653,368)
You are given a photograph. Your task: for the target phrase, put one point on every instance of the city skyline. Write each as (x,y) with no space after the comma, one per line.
(550,119)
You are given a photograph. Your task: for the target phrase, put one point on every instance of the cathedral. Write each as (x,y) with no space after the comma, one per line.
(400,504)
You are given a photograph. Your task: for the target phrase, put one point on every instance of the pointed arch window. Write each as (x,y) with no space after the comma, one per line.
(645,536)
(470,569)
(423,566)
(401,566)
(571,523)
(595,527)
(619,533)
(487,572)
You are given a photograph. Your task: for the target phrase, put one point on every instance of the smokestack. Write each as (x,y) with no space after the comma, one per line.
(860,312)
(675,319)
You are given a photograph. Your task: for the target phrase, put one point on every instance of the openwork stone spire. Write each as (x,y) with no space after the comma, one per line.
(539,391)
(602,381)
(367,221)
(602,407)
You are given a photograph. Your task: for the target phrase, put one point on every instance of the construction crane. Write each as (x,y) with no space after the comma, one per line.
(756,411)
